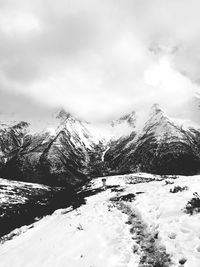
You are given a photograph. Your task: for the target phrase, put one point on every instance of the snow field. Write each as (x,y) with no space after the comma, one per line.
(164,211)
(97,234)
(93,235)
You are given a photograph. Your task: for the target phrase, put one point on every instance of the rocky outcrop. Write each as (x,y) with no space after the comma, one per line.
(11,139)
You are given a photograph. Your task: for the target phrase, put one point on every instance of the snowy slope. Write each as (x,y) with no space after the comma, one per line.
(164,211)
(92,235)
(161,126)
(80,131)
(102,233)
(21,203)
(10,191)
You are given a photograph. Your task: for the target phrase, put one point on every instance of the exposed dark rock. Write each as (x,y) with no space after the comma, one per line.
(128,197)
(130,119)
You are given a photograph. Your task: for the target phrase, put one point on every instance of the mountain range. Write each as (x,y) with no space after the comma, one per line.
(70,152)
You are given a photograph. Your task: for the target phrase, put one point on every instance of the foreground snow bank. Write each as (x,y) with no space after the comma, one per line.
(164,211)
(93,235)
(98,234)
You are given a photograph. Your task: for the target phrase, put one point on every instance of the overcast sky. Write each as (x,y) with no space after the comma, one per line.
(98,59)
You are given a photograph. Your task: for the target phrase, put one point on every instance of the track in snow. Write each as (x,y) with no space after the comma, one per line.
(94,235)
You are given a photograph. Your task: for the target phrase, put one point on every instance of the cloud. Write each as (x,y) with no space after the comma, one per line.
(99,59)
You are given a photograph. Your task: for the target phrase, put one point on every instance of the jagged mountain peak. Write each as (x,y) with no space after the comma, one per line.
(21,124)
(66,118)
(64,115)
(157,111)
(158,116)
(128,118)
(123,126)
(160,123)
(78,131)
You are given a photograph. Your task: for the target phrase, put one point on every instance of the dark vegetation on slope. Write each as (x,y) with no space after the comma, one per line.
(21,204)
(193,205)
(178,188)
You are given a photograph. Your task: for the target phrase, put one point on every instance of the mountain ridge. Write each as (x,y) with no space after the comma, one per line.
(68,152)
(55,156)
(160,147)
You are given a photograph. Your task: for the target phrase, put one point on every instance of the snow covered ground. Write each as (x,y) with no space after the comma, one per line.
(164,211)
(22,202)
(90,236)
(97,234)
(12,192)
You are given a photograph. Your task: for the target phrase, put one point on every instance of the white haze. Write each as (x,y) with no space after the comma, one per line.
(98,59)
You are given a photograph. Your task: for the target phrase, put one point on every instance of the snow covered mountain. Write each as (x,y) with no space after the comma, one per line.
(161,146)
(57,155)
(11,138)
(68,151)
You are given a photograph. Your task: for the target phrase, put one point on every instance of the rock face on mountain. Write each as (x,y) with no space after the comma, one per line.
(11,139)
(160,147)
(56,156)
